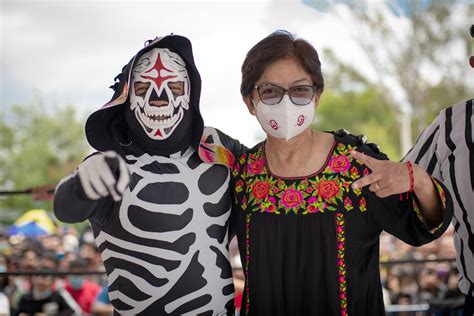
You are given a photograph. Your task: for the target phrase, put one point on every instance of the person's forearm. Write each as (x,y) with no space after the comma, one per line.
(69,207)
(428,197)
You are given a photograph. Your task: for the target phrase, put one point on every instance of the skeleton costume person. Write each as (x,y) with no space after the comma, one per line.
(158,207)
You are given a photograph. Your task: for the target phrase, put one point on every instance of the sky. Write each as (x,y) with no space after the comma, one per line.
(68,52)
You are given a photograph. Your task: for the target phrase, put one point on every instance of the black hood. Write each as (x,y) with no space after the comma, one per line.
(106,128)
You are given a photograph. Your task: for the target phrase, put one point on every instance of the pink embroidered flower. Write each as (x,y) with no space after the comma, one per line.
(366,172)
(292,198)
(271,208)
(243,158)
(260,189)
(362,205)
(236,167)
(348,204)
(328,188)
(339,229)
(272,200)
(312,200)
(256,167)
(238,185)
(312,209)
(339,164)
(354,171)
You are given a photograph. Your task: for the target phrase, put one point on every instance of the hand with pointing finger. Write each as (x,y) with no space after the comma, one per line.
(104,174)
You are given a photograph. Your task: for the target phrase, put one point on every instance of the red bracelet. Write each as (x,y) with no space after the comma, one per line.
(412,177)
(412,181)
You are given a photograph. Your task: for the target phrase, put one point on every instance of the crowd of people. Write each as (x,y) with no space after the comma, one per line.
(433,282)
(54,275)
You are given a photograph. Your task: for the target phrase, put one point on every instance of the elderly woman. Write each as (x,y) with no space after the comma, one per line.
(310,205)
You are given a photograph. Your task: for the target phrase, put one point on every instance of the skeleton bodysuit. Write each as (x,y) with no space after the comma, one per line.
(164,243)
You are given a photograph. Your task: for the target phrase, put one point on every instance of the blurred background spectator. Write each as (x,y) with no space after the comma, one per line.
(102,305)
(44,298)
(82,290)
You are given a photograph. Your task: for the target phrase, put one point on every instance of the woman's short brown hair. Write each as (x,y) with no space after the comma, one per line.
(278,45)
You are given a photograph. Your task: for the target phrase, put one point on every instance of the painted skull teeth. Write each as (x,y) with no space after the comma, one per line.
(159,117)
(154,120)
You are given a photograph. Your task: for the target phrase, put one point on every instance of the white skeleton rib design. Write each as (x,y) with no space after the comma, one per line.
(199,223)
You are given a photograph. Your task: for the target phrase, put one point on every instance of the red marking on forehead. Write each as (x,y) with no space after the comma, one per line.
(158,67)
(158,132)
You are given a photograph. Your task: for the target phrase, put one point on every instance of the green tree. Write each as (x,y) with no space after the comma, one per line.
(39,146)
(355,112)
(417,69)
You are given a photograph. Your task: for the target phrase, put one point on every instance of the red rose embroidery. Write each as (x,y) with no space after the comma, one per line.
(366,172)
(339,164)
(362,203)
(291,198)
(260,189)
(328,188)
(354,171)
(255,167)
(238,186)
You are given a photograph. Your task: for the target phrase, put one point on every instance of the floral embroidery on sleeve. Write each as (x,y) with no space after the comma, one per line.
(421,217)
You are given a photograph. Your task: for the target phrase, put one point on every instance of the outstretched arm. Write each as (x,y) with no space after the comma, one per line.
(92,190)
(389,178)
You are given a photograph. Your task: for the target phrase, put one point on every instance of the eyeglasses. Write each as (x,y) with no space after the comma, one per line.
(271,94)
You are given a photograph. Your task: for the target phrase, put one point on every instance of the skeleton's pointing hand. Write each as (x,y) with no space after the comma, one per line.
(104,174)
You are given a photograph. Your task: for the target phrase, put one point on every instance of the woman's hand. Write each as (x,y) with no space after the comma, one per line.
(387,177)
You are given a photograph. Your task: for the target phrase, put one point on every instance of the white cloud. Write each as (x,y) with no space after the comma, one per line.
(70,51)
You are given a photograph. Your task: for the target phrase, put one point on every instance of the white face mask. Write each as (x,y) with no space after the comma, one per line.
(41,295)
(285,119)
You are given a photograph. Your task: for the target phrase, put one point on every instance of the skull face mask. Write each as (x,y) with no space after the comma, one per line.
(159,92)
